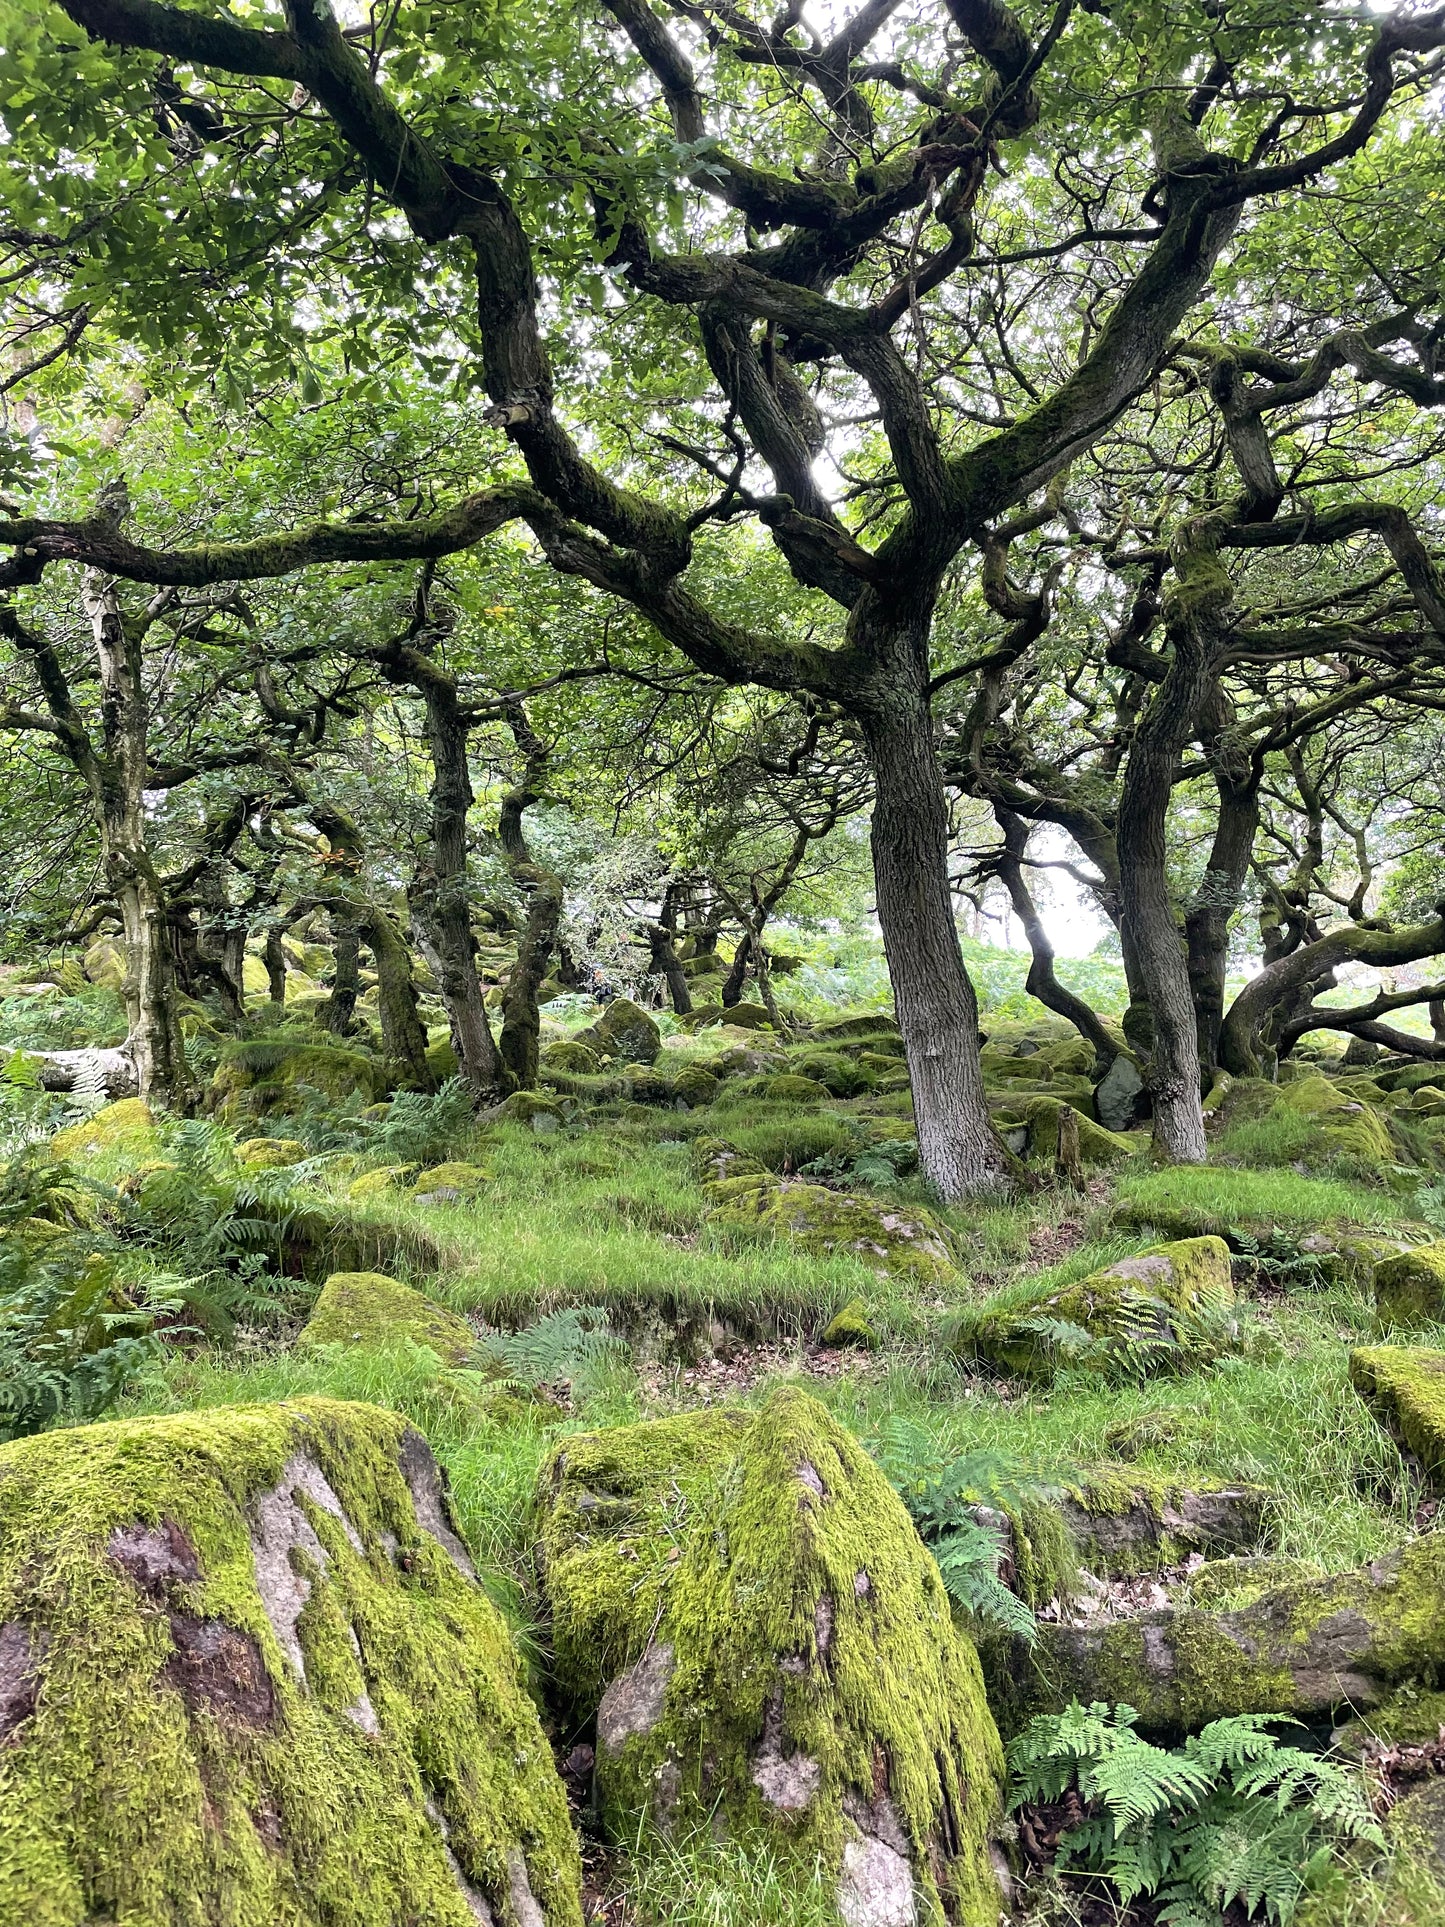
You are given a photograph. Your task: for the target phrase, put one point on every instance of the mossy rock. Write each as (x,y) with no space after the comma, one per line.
(768,1647)
(791,1089)
(104,964)
(372,1184)
(441,1060)
(1410,1077)
(901,1240)
(874,1025)
(714,1158)
(839,1075)
(696,1086)
(849,1326)
(1404,1386)
(644,1085)
(1041,1114)
(1410,1287)
(370,1311)
(280,1071)
(568,1055)
(445,1183)
(702,1016)
(1301,1650)
(528,1107)
(1124,1521)
(1240,1581)
(625,1032)
(269,1153)
(1426,1100)
(126,1129)
(1156,1310)
(880,1063)
(249,1677)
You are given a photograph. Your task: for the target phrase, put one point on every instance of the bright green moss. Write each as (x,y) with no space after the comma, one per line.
(371,1311)
(906,1240)
(268,1153)
(277,1072)
(180,1766)
(850,1326)
(466,1180)
(696,1086)
(761,1580)
(568,1055)
(125,1130)
(1410,1287)
(1041,1114)
(792,1089)
(1405,1387)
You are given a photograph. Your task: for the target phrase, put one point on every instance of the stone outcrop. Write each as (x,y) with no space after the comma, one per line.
(370,1311)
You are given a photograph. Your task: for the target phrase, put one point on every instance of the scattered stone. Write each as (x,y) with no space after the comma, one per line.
(850,1326)
(269,1153)
(899,1239)
(126,1129)
(1120,1100)
(530,1108)
(449,1183)
(1410,1287)
(1405,1388)
(625,1032)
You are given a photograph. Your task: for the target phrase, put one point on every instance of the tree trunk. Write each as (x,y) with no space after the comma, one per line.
(442,901)
(732,990)
(1206,922)
(153,1027)
(403,1036)
(274,958)
(338,1013)
(521,1017)
(1042,982)
(668,965)
(960,1152)
(1147,920)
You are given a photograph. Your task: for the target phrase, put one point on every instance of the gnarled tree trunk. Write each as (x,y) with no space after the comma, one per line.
(521,1016)
(959,1150)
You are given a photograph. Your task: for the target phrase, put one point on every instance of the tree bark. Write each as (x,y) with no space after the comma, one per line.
(1207,920)
(403,1036)
(521,1016)
(960,1152)
(441,897)
(153,1026)
(1164,1029)
(338,1013)
(733,983)
(1042,982)
(273,956)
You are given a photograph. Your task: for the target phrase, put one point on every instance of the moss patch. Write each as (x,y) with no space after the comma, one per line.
(905,1240)
(126,1129)
(259,1684)
(777,1648)
(370,1310)
(1405,1387)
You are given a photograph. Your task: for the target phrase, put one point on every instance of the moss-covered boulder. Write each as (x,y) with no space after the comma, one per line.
(580,1060)
(625,1033)
(1410,1287)
(248,1677)
(451,1183)
(906,1240)
(714,1158)
(1161,1309)
(368,1310)
(645,1084)
(849,1326)
(839,1074)
(1347,1127)
(1404,1386)
(539,1113)
(1041,1115)
(280,1073)
(1301,1649)
(376,1182)
(125,1130)
(878,1027)
(744,1603)
(695,1086)
(269,1153)
(789,1088)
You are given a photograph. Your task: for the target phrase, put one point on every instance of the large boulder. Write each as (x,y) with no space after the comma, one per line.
(625,1033)
(1120,1099)
(1039,1114)
(1410,1287)
(246,1675)
(1160,1309)
(369,1311)
(125,1131)
(283,1073)
(744,1604)
(901,1239)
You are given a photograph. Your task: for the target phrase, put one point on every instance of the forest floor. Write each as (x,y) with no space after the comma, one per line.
(603,1212)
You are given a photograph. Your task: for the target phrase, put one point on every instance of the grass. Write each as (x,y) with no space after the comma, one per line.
(702,1882)
(1273,1196)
